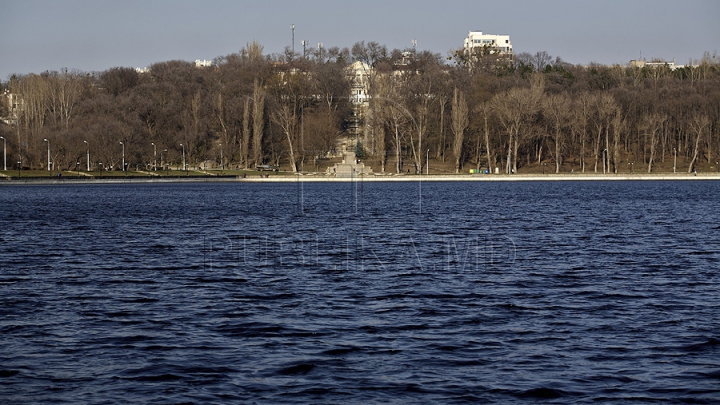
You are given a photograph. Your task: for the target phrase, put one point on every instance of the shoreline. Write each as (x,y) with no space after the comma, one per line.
(311,178)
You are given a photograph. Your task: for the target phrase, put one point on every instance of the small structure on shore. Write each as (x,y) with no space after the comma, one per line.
(350,167)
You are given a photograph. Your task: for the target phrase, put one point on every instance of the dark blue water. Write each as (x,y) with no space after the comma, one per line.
(360,293)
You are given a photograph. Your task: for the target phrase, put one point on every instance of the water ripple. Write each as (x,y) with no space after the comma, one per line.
(496,293)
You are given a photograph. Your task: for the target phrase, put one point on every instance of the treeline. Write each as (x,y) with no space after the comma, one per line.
(476,111)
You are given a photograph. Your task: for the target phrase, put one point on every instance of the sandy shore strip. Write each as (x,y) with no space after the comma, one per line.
(321,178)
(492,177)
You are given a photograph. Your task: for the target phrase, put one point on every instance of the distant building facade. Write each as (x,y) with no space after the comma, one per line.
(494,43)
(359,74)
(14,105)
(655,63)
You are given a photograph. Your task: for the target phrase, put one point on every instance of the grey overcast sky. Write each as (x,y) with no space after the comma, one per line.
(95,35)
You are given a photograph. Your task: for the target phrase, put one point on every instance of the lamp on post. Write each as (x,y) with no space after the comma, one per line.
(222,164)
(183,153)
(123,156)
(4,152)
(427,162)
(674,159)
(88,155)
(154,156)
(48,142)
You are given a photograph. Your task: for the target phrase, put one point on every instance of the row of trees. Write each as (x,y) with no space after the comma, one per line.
(473,110)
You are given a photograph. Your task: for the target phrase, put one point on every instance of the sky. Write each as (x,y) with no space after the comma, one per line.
(96,35)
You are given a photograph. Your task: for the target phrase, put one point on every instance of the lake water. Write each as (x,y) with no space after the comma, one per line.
(570,292)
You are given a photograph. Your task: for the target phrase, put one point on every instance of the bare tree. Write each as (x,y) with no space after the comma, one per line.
(485,109)
(602,107)
(619,124)
(557,108)
(286,118)
(398,119)
(460,122)
(540,60)
(258,121)
(245,146)
(653,123)
(379,137)
(516,108)
(220,113)
(698,123)
(442,101)
(65,89)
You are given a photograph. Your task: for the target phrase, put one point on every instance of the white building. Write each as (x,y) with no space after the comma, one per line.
(496,43)
(655,63)
(359,74)
(15,104)
(203,63)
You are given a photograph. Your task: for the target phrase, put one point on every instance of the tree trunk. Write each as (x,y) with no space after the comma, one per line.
(558,148)
(696,150)
(487,146)
(652,151)
(258,122)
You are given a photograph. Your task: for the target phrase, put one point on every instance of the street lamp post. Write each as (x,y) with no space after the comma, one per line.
(88,154)
(154,156)
(4,152)
(48,142)
(674,159)
(427,162)
(183,152)
(222,164)
(161,160)
(123,156)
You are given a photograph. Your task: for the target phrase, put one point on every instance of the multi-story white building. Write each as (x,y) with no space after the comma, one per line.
(495,43)
(359,75)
